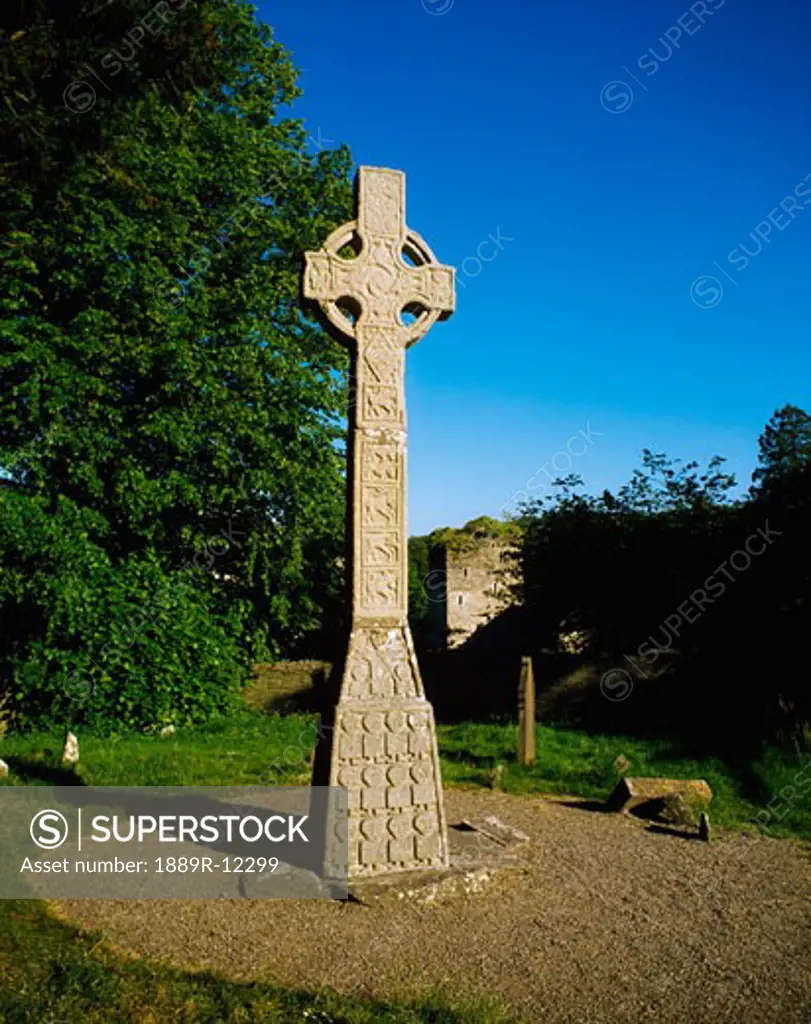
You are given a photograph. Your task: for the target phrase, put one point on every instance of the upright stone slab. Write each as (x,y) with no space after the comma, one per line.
(382,744)
(526,713)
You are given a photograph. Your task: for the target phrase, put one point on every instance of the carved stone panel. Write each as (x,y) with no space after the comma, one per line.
(380,463)
(380,506)
(380,665)
(382,356)
(381,402)
(380,590)
(381,202)
(384,752)
(381,549)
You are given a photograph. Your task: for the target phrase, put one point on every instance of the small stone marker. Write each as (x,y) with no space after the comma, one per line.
(3,770)
(380,743)
(683,799)
(621,764)
(526,713)
(704,827)
(497,776)
(167,730)
(70,752)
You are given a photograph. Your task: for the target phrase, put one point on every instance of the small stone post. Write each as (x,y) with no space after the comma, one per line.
(70,751)
(526,713)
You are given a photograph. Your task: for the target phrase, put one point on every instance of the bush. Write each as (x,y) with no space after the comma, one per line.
(131,645)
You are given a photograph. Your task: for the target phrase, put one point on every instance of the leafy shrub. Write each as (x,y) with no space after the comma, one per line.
(87,641)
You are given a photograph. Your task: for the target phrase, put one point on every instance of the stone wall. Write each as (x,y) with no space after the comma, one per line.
(477,579)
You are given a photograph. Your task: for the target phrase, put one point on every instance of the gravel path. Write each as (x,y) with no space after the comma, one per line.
(613,923)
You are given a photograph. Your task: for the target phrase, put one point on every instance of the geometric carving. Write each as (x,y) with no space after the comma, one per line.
(382,747)
(382,360)
(379,665)
(385,755)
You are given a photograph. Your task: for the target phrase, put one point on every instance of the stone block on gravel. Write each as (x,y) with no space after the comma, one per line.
(679,801)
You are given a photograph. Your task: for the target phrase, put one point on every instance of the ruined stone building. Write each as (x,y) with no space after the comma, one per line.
(472,584)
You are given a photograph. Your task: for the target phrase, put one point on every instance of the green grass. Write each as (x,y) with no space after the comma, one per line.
(247,750)
(582,764)
(254,749)
(50,972)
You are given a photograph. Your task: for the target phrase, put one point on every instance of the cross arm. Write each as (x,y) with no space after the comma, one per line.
(432,287)
(326,277)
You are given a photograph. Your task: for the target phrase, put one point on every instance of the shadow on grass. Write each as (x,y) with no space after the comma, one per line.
(695,706)
(32,770)
(54,971)
(480,762)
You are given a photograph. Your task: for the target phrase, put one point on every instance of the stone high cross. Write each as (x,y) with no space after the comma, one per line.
(382,747)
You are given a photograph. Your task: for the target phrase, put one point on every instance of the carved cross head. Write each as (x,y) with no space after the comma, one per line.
(392,281)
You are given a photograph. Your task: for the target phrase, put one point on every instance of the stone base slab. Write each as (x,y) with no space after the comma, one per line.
(483,854)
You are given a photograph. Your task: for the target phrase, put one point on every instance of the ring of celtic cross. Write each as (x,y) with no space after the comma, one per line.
(383,285)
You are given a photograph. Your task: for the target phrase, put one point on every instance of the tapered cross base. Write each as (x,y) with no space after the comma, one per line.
(382,749)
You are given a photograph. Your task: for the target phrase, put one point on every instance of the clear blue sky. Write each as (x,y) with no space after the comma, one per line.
(494,112)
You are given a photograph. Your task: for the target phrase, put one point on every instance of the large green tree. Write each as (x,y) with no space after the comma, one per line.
(156,371)
(784,450)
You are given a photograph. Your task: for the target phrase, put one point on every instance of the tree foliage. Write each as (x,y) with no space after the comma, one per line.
(590,562)
(156,371)
(473,533)
(111,645)
(784,453)
(699,597)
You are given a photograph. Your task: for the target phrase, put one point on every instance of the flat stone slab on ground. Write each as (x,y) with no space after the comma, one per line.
(494,828)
